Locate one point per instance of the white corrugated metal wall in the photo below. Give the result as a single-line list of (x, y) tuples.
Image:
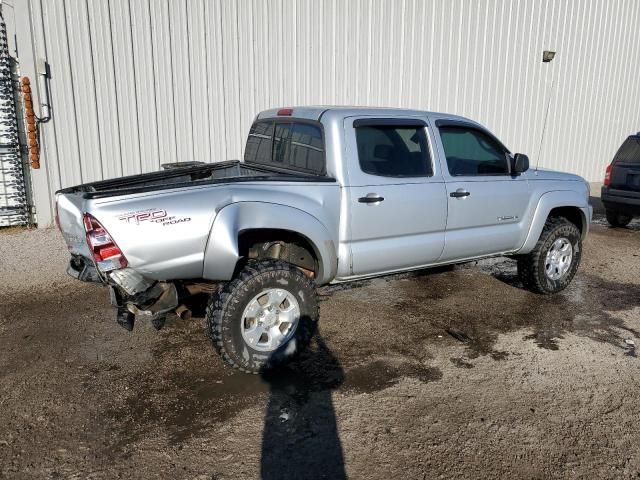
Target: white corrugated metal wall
[(137, 83)]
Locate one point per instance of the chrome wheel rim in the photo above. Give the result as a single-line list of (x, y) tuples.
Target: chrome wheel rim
[(559, 258), (270, 319)]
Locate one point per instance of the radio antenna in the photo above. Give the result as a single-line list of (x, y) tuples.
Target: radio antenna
[(547, 56)]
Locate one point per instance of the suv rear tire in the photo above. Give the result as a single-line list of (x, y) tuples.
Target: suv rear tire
[(264, 316), (617, 219), (554, 261)]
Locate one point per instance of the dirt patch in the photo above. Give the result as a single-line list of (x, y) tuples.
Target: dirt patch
[(453, 373)]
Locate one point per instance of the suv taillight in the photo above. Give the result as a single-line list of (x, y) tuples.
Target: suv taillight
[(607, 175), (105, 251)]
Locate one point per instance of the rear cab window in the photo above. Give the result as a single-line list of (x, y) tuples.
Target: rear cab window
[(292, 144), (471, 152), (393, 148)]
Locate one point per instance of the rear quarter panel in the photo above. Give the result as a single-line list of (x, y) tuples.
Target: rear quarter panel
[(164, 234)]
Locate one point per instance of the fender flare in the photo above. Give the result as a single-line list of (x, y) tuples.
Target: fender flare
[(546, 203), (222, 252)]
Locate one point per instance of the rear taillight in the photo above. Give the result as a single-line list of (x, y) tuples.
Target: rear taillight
[(607, 175), (105, 251)]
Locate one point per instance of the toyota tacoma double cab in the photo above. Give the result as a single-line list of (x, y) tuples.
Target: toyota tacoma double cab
[(324, 195)]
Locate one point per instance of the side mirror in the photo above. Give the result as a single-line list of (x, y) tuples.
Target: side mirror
[(520, 164)]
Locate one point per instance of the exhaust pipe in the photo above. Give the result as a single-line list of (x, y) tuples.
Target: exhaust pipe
[(183, 312)]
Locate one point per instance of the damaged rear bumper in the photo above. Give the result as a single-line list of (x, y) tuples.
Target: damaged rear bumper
[(135, 296), (142, 296)]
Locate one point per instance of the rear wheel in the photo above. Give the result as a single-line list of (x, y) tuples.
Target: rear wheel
[(552, 264), (617, 219), (263, 317)]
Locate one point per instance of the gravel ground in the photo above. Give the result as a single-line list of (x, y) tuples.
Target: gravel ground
[(438, 374), (32, 260)]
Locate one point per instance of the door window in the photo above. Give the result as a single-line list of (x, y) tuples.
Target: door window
[(472, 152), (393, 151)]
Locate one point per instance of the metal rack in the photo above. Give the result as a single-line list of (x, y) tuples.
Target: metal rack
[(14, 209)]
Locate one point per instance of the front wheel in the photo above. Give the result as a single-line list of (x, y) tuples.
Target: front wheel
[(552, 264), (264, 316)]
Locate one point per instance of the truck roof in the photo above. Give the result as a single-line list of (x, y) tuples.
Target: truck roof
[(315, 112)]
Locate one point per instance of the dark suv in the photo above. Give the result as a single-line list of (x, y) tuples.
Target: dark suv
[(621, 190)]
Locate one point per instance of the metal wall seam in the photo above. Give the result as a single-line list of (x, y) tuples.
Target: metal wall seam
[(125, 83), (145, 71), (199, 79), (83, 90), (62, 102)]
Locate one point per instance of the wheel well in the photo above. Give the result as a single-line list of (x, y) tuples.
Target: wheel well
[(573, 214), (286, 245)]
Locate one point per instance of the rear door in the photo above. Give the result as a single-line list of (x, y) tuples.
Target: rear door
[(396, 198), (625, 174), (486, 204)]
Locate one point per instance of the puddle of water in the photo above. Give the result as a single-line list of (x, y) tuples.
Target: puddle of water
[(200, 393), (477, 309), (381, 374), (599, 219)]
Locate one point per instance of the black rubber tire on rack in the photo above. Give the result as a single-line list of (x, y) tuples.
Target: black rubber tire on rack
[(531, 267), (226, 307), (617, 219)]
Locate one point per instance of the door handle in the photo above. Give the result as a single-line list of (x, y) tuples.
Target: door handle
[(371, 198), (460, 193)]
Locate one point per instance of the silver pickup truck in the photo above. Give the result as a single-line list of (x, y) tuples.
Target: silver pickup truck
[(325, 194)]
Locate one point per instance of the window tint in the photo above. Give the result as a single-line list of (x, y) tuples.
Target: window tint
[(298, 145), (393, 151), (472, 152), (293, 145), (629, 152), (258, 147)]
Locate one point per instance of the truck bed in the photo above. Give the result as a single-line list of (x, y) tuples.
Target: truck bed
[(222, 172)]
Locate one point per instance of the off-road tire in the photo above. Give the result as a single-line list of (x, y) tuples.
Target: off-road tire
[(531, 267), (225, 309), (617, 219)]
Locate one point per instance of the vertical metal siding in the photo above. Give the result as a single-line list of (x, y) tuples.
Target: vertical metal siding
[(145, 86), (137, 83)]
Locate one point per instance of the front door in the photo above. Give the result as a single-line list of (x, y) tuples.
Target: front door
[(486, 204), (396, 198)]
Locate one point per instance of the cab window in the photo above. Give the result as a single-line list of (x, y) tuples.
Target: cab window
[(288, 144), (393, 151), (472, 152)]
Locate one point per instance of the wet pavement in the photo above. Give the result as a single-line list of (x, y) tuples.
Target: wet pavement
[(449, 372)]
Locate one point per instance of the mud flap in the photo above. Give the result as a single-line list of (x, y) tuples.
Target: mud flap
[(124, 317)]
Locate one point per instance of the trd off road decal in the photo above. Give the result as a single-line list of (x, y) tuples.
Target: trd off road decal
[(152, 215)]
